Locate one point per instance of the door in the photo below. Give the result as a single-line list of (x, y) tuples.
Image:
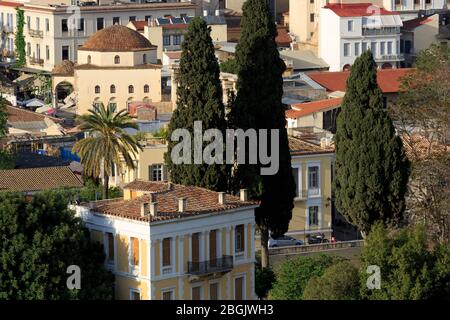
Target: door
[(195, 251), (238, 288), (213, 248)]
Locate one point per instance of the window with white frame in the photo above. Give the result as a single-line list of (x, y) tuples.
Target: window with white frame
[(239, 240), (167, 260), (364, 46), (350, 25), (382, 47), (313, 177), (109, 247), (239, 288), (357, 49), (135, 294), (313, 216), (346, 49), (177, 40), (166, 40), (156, 172), (134, 253), (373, 48), (389, 47), (296, 171), (168, 294)]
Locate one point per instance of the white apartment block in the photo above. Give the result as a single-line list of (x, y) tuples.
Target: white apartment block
[(348, 30), (53, 32), (408, 9)]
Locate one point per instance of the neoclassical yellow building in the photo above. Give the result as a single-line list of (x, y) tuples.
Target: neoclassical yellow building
[(116, 66), (173, 242)]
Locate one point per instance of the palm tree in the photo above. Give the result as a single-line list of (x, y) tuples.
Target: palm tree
[(106, 142)]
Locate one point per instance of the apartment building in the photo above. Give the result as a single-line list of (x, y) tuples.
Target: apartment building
[(168, 33), (409, 9), (347, 30), (167, 241), (55, 29), (8, 22), (128, 66), (312, 167)]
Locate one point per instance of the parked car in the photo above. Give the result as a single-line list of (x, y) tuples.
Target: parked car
[(317, 238), (284, 241)]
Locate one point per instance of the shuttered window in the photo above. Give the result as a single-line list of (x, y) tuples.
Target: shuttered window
[(212, 244), (240, 238), (135, 251), (110, 239), (238, 288), (214, 291), (166, 252), (195, 247), (196, 293)]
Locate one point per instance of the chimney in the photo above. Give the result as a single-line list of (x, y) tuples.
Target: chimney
[(205, 13), (222, 197), (181, 205), (244, 195), (153, 209), (144, 209)]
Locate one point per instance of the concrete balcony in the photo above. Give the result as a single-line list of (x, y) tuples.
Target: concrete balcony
[(203, 268), (36, 33), (389, 57), (379, 32), (7, 29)]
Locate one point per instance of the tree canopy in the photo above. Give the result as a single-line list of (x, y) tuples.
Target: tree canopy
[(371, 167), (40, 239)]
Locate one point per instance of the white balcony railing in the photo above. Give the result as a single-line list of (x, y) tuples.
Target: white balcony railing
[(390, 57), (36, 33)]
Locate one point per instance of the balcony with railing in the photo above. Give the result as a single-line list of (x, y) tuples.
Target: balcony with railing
[(36, 33), (390, 57), (366, 31), (7, 29), (219, 265), (36, 61)]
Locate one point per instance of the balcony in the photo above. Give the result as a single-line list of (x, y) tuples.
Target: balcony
[(390, 57), (220, 265), (381, 31), (7, 29), (36, 61), (36, 33)]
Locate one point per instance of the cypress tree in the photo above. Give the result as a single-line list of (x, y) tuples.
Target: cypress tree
[(258, 105), (371, 167), (199, 99), (19, 39)]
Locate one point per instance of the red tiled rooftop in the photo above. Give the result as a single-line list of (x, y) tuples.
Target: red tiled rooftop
[(414, 23), (389, 80), (283, 38), (166, 195), (303, 109), (22, 115), (357, 9), (173, 54), (139, 25), (298, 146)]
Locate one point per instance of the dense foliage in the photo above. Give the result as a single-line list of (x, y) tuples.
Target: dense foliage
[(229, 66), (106, 143), (371, 167), (19, 40), (258, 105), (199, 99), (40, 239)]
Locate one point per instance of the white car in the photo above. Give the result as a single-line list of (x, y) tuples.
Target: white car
[(284, 241)]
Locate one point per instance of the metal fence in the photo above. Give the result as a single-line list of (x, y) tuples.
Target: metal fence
[(316, 247)]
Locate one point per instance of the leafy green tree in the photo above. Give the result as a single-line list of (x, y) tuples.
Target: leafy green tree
[(229, 66), (19, 40), (264, 279), (424, 104), (258, 105), (40, 239), (406, 265), (106, 143), (199, 99), (3, 118), (339, 282), (293, 275), (371, 167)]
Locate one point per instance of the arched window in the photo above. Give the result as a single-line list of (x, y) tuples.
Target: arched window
[(89, 59), (112, 89), (97, 89), (146, 89), (130, 89), (116, 60), (144, 58)]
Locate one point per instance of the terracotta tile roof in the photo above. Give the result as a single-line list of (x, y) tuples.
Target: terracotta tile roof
[(21, 115), (198, 201), (173, 54), (299, 147), (64, 68), (389, 80), (36, 179), (140, 24), (356, 9), (283, 38), (410, 25), (117, 38), (175, 26), (303, 109)]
